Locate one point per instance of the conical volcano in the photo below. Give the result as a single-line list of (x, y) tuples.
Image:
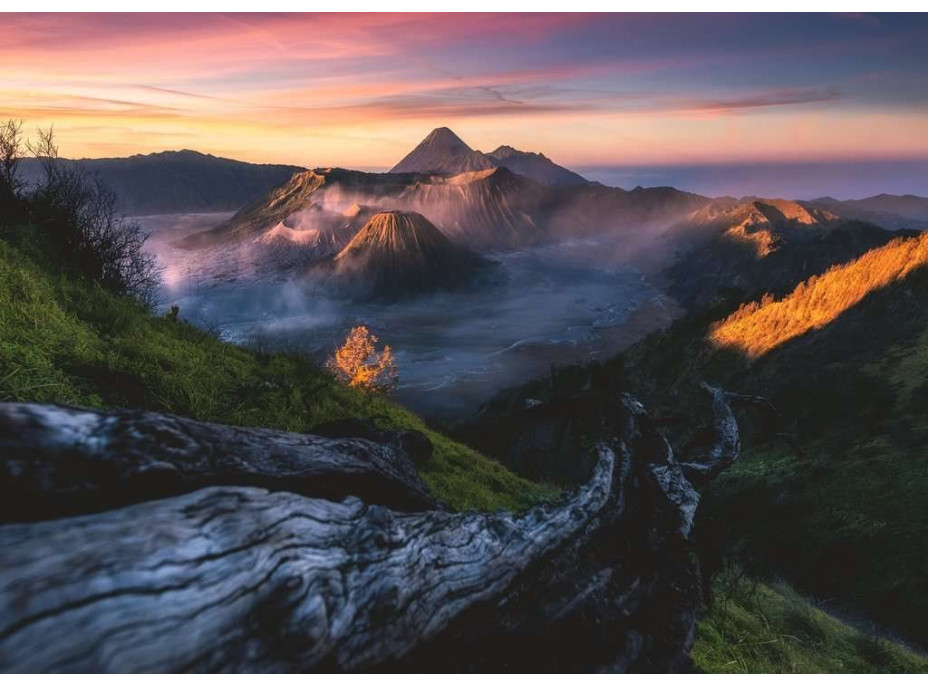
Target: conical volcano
[(398, 253), (442, 152)]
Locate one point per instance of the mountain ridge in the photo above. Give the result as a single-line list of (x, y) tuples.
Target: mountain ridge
[(180, 181), (890, 211), (761, 244)]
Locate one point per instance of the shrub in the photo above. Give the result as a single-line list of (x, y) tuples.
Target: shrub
[(75, 216), (78, 214), (359, 365)]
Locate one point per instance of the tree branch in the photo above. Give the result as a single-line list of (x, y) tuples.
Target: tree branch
[(726, 446)]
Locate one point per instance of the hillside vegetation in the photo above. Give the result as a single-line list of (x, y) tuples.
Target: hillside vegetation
[(831, 494), (65, 340), (757, 628), (758, 327)]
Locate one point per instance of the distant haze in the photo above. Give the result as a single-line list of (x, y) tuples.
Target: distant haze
[(796, 181)]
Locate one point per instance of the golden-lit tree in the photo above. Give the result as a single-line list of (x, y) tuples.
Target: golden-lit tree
[(360, 365)]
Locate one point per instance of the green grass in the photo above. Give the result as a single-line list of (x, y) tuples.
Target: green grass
[(767, 628), (69, 342), (848, 527)]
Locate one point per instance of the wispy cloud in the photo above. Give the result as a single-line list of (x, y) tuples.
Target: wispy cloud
[(580, 87)]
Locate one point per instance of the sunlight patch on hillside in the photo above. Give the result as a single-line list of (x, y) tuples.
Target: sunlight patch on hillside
[(758, 327)]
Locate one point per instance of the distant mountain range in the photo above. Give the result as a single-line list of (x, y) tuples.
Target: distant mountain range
[(493, 209), (489, 208), (504, 198), (174, 182), (889, 211)]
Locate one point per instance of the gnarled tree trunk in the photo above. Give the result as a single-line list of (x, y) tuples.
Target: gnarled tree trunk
[(245, 579), (57, 461)]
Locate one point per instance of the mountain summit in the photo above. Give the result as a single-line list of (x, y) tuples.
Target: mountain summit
[(442, 152)]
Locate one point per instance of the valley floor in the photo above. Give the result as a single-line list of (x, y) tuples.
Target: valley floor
[(554, 304)]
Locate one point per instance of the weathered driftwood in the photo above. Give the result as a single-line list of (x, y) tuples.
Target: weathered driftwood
[(725, 447), (57, 461), (241, 579)]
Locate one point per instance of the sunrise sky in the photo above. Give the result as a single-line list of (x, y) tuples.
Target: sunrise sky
[(361, 90)]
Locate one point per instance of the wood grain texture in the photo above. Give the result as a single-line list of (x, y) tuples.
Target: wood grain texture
[(242, 579), (231, 578), (57, 460)]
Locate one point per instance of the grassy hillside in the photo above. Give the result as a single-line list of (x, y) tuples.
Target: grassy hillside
[(843, 516), (62, 340), (758, 327), (767, 628)]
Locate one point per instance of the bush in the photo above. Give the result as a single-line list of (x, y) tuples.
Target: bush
[(76, 216), (360, 365)]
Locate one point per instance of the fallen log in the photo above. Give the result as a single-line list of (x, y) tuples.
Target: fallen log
[(242, 579), (57, 461)]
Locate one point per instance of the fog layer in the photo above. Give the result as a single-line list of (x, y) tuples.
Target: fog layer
[(552, 304)]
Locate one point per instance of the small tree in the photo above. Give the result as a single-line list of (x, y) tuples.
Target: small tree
[(79, 214), (11, 153), (358, 364)]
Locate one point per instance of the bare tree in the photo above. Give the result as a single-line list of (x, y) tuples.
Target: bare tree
[(80, 214), (11, 153)]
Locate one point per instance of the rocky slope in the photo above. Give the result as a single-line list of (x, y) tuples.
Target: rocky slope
[(759, 245), (320, 193), (489, 209)]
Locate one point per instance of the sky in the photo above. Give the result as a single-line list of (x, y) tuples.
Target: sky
[(591, 91)]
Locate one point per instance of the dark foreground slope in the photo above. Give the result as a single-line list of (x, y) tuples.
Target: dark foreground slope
[(64, 341), (830, 493), (227, 576)]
